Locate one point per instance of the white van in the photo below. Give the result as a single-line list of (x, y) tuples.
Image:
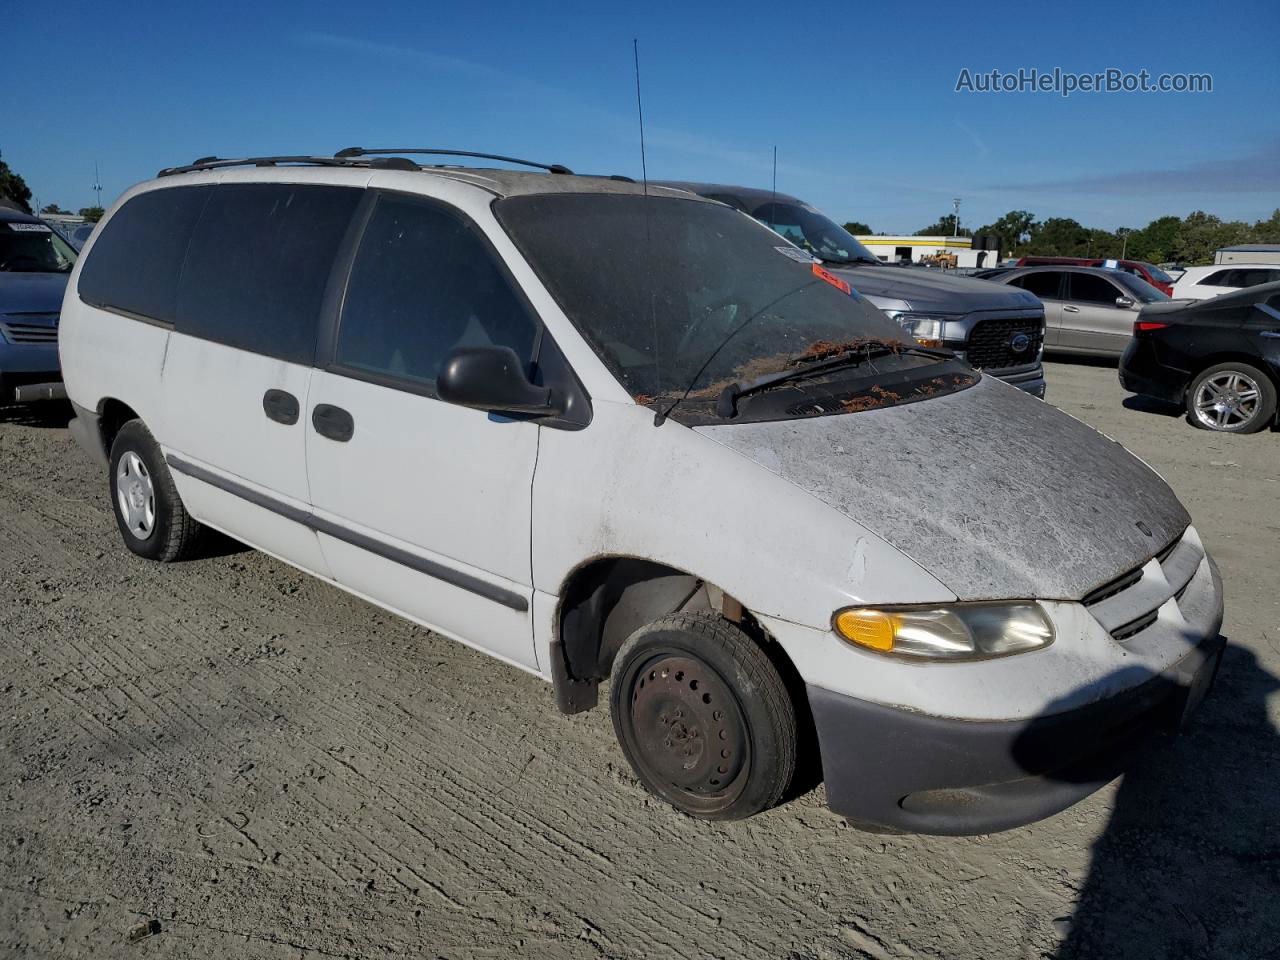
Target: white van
[(604, 432)]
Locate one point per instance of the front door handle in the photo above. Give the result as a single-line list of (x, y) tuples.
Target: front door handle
[(333, 422), (280, 406), (1068, 308)]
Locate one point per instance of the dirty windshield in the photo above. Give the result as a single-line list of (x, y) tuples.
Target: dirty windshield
[(33, 248), (678, 294)]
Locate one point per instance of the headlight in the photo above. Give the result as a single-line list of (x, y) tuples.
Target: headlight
[(927, 329), (961, 631)]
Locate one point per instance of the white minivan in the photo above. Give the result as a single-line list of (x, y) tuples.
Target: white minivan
[(604, 431)]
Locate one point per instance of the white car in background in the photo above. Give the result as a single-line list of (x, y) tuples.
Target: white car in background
[(1201, 283)]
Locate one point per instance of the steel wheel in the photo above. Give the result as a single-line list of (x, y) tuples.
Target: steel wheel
[(136, 496), (686, 729), (1227, 400)]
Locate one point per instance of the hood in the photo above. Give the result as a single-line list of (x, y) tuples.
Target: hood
[(32, 292), (925, 291), (995, 493)]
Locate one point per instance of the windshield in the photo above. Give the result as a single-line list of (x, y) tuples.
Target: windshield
[(1142, 291), (676, 294), (810, 230), (33, 248)]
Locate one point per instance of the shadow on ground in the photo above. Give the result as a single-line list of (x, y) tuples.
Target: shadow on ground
[(55, 414), (1189, 864)]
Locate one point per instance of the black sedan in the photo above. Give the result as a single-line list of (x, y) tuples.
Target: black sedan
[(1220, 357)]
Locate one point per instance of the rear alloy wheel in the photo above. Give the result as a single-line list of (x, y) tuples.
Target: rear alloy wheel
[(704, 717), (152, 518), (1231, 397)]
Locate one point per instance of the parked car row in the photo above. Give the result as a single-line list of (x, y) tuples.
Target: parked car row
[(612, 431)]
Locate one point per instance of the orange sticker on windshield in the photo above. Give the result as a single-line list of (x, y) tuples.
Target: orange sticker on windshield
[(832, 279)]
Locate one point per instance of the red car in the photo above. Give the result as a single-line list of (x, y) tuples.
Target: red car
[(1147, 271)]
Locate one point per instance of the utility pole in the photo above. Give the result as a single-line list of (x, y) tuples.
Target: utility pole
[(1124, 247), (955, 227)]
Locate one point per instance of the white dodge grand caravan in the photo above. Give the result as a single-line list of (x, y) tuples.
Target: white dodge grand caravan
[(603, 432)]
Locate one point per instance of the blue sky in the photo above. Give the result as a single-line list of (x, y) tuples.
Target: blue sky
[(862, 106)]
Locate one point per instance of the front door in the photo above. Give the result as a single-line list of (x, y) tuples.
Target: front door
[(422, 505)]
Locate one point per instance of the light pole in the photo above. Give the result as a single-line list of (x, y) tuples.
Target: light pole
[(97, 185), (1124, 234), (955, 226)]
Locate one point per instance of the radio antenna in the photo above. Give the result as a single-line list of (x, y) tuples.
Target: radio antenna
[(644, 170), (648, 236)]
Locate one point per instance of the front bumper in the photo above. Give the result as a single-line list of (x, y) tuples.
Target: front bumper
[(1032, 381), (916, 773)]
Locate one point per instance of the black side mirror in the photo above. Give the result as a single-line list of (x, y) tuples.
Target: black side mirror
[(493, 379)]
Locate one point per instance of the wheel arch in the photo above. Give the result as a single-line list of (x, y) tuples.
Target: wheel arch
[(607, 598), (112, 415)]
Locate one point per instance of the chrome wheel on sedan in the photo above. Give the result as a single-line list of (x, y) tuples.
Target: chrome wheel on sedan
[(1231, 398)]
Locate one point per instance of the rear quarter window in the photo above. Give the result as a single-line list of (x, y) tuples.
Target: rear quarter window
[(258, 264), (135, 263)]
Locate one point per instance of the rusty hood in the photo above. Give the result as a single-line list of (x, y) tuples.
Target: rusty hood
[(995, 493)]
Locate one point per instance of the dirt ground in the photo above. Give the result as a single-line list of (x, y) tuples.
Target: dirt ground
[(242, 762)]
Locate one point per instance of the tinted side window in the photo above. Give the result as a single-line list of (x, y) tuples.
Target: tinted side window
[(136, 261), (424, 283), (1216, 279), (1044, 285), (258, 264), (1088, 288)]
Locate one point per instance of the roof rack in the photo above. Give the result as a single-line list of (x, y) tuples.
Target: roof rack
[(214, 163), (351, 152)]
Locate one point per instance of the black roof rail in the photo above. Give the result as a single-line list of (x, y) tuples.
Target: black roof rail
[(214, 163), (351, 152)]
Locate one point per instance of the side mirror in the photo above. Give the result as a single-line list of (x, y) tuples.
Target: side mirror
[(1124, 301), (493, 379)]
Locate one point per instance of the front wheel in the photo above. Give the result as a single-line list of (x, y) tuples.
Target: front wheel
[(703, 717), (152, 518), (1231, 397)]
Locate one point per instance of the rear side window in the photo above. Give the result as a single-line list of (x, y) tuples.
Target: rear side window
[(1044, 285), (136, 261), (258, 264), (422, 285)]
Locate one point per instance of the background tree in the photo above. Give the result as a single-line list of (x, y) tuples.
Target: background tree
[(92, 214), (861, 229), (53, 208), (1011, 228), (14, 188), (945, 227)]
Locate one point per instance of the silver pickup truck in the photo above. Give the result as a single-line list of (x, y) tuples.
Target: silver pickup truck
[(998, 331)]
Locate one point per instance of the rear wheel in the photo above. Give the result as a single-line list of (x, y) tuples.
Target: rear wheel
[(703, 717), (1231, 397), (151, 516)]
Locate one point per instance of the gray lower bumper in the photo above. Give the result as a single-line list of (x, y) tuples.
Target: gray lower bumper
[(31, 392), (887, 767)]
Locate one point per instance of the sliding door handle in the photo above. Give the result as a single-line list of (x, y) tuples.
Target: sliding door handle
[(333, 422), (280, 406)]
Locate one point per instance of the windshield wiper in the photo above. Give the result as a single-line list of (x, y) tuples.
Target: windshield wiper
[(727, 404)]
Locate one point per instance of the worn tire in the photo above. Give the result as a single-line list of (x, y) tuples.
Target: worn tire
[(704, 717), (174, 534), (1263, 415)]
